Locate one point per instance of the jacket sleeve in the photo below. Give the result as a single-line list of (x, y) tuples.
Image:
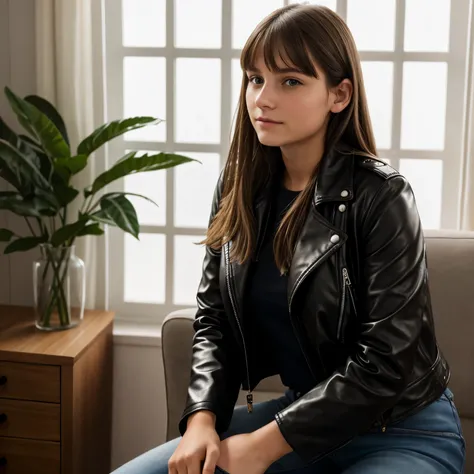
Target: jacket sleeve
[(213, 385), (392, 303)]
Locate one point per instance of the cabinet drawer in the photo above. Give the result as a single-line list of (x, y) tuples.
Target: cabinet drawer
[(30, 382), (21, 456), (35, 420)]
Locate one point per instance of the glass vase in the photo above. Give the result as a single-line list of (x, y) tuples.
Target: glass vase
[(59, 288)]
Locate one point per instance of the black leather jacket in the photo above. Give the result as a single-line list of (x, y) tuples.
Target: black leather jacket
[(359, 303)]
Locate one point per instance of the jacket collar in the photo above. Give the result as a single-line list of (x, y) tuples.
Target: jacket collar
[(335, 181)]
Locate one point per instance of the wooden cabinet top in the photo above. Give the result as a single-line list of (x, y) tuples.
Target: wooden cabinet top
[(21, 341)]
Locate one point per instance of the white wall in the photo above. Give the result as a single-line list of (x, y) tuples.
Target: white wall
[(17, 70), (139, 406)]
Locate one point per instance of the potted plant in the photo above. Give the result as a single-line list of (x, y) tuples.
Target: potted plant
[(39, 166)]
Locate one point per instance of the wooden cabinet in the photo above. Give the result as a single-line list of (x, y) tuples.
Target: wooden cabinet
[(55, 395)]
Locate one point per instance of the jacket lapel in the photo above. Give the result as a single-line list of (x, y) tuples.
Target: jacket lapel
[(319, 238)]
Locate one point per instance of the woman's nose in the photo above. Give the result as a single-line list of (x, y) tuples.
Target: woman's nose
[(265, 98)]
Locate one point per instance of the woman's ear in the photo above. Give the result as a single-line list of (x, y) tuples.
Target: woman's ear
[(342, 94)]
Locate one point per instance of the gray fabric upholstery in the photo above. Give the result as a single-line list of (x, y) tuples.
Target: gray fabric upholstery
[(451, 273)]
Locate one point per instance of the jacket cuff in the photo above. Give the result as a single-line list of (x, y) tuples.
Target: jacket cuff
[(222, 421)]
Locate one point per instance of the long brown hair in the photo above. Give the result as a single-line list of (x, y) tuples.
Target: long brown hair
[(300, 35)]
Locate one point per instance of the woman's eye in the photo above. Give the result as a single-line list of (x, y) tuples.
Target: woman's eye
[(253, 79), (293, 82)]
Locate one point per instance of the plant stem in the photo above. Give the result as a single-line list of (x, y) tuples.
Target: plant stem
[(85, 204), (92, 207), (57, 287), (30, 227), (42, 228)]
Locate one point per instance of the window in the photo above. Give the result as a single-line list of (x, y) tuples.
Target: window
[(179, 60)]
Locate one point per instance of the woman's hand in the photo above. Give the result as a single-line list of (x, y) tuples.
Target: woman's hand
[(253, 453), (200, 443), (239, 455)]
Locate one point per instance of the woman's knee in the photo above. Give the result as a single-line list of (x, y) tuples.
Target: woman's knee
[(154, 461)]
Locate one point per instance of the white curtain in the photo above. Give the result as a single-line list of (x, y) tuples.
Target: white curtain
[(467, 210), (467, 182), (65, 68)]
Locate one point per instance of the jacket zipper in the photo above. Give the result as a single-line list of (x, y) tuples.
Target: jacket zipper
[(340, 337), (234, 309), (349, 285)]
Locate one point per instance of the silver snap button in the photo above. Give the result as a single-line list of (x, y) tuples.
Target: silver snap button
[(342, 207), (335, 239), (344, 193)]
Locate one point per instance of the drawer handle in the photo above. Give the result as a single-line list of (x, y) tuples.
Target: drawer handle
[(3, 380), (3, 461), (3, 418)]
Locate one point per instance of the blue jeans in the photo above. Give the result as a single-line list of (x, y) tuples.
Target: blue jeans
[(428, 442)]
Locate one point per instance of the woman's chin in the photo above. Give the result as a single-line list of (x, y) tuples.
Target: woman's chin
[(269, 139)]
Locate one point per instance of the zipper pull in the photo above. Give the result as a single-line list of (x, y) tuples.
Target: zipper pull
[(249, 402), (346, 276), (384, 428)]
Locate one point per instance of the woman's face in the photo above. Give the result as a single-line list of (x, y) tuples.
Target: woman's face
[(299, 105)]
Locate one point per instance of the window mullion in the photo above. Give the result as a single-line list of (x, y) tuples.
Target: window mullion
[(170, 134)]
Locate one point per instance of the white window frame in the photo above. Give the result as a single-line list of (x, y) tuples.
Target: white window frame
[(113, 103)]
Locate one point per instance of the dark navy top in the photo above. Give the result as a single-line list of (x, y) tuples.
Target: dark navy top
[(266, 317)]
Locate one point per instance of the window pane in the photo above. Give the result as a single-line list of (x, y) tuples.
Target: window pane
[(151, 184), (378, 79), (246, 15), (372, 23), (198, 100), (144, 84), (144, 23), (424, 105), (188, 259), (189, 14), (194, 189), (327, 3), (427, 25), (426, 179), (145, 266)]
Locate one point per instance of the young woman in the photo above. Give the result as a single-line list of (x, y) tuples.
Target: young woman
[(315, 270)]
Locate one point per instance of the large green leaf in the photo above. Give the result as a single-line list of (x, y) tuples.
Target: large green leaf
[(74, 164), (64, 193), (23, 244), (111, 130), (50, 198), (16, 105), (138, 164), (24, 171), (91, 229), (101, 218), (67, 232), (121, 211), (6, 235), (50, 111), (45, 162), (43, 128), (24, 147), (124, 193), (34, 207)]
